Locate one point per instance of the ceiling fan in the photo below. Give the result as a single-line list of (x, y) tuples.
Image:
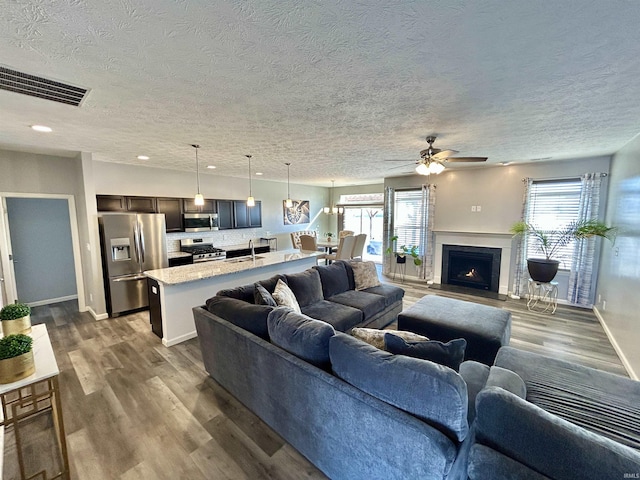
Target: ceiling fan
[(431, 158)]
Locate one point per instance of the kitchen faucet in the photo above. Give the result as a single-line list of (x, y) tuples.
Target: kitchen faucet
[(253, 252)]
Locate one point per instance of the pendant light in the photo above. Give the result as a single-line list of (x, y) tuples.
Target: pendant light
[(251, 202), (288, 203), (332, 210), (198, 199)]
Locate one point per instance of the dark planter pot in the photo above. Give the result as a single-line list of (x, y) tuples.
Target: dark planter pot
[(542, 270), (401, 259)]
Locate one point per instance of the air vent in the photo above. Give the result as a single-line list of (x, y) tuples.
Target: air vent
[(26, 84)]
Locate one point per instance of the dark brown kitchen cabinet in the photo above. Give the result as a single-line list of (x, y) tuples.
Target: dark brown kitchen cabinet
[(111, 203), (190, 206), (225, 214), (172, 209), (141, 204), (155, 306), (247, 217)]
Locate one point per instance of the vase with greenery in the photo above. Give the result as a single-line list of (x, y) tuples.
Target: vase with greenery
[(16, 318), (329, 236), (549, 242), (16, 358), (404, 250)]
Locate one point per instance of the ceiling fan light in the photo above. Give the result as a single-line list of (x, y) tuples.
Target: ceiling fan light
[(198, 200), (422, 169), (436, 167)]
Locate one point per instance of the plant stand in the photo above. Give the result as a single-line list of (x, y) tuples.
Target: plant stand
[(401, 268), (543, 297), (34, 395)]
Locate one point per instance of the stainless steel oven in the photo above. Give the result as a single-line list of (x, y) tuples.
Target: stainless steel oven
[(200, 222)]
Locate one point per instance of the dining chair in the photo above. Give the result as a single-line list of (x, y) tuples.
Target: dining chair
[(345, 233), (358, 247), (295, 237), (307, 242), (345, 249)]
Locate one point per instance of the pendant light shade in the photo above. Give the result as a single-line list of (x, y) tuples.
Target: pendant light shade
[(199, 198), (288, 202), (332, 210), (251, 202)]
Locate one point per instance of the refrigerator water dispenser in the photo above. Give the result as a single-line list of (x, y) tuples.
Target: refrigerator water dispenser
[(120, 249)]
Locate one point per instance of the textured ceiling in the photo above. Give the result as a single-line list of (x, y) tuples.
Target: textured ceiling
[(333, 87)]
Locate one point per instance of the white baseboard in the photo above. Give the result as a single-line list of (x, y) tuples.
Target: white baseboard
[(616, 347), (101, 316), (52, 300), (180, 339)]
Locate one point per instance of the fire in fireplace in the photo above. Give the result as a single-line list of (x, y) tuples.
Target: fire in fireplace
[(474, 267)]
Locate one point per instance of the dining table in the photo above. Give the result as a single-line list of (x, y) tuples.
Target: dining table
[(328, 245)]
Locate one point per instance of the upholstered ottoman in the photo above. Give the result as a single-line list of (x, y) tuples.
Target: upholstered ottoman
[(484, 328)]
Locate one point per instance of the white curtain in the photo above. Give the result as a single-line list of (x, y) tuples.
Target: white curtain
[(429, 207), (387, 233), (584, 254), (519, 277)]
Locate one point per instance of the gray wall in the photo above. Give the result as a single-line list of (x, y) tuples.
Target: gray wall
[(498, 190), (617, 297), (42, 249)]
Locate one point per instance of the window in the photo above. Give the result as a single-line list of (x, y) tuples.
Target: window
[(552, 205), (409, 218)]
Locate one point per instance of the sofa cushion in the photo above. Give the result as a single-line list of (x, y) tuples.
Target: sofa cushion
[(425, 389), (334, 278), (304, 337), (305, 286), (243, 292), (248, 316), (284, 296), (368, 303), (340, 316), (450, 354), (365, 275), (376, 337), (270, 283), (510, 381), (261, 296), (390, 293)]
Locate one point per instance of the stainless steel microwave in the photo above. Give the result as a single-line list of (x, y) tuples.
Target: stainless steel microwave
[(200, 222)]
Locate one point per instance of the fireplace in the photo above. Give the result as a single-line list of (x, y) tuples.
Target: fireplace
[(473, 267)]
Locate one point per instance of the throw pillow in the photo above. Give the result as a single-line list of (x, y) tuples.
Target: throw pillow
[(365, 275), (261, 296), (448, 354), (376, 337), (304, 337), (284, 296)]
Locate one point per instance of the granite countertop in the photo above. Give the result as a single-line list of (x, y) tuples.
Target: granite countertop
[(203, 270)]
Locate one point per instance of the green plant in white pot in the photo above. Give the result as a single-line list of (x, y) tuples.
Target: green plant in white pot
[(549, 242), (403, 251)]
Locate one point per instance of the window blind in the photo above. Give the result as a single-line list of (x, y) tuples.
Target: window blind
[(409, 218), (553, 204)]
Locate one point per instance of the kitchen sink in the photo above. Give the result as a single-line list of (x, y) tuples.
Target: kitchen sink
[(243, 259)]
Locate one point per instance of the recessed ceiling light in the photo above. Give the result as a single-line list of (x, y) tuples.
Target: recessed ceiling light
[(211, 166), (143, 157), (42, 128), (258, 173)]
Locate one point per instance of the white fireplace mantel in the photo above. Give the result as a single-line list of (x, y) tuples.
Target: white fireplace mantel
[(503, 241)]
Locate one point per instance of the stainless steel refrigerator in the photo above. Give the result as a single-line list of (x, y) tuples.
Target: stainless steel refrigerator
[(131, 245)]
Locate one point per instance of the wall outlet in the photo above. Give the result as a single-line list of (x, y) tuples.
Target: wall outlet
[(473, 208), (599, 298), (604, 305), (91, 297), (478, 208)]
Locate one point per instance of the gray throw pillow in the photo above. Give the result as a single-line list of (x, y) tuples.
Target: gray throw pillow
[(449, 354), (261, 296)]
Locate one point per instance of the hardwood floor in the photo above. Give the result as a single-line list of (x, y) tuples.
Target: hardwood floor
[(134, 409)]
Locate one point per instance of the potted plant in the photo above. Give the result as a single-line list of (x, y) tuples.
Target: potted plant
[(549, 242), (329, 236), (16, 358), (401, 254), (16, 318)]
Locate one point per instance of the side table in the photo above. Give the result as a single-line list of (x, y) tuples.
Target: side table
[(543, 297), (33, 395)]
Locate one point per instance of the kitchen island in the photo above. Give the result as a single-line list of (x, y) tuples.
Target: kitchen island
[(174, 291)]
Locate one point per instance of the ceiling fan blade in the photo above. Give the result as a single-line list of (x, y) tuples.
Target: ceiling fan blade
[(442, 154), (401, 160), (406, 165), (466, 159)]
